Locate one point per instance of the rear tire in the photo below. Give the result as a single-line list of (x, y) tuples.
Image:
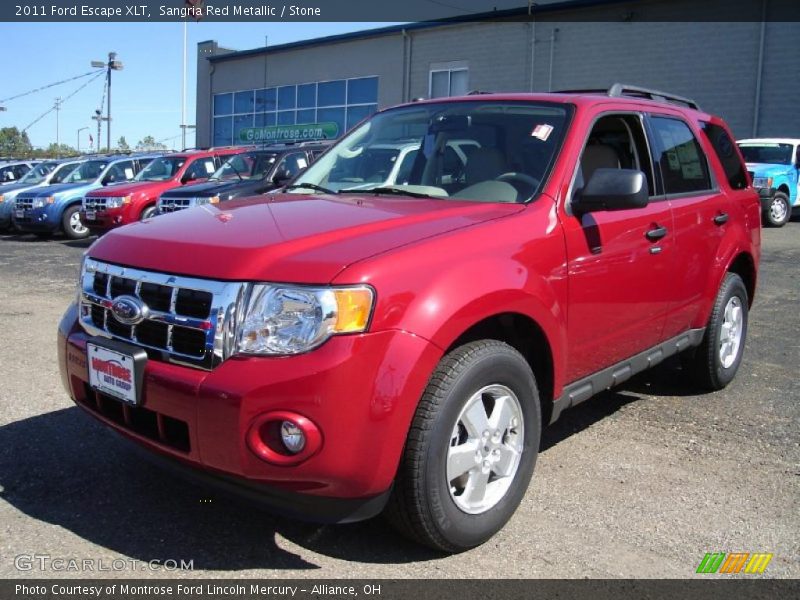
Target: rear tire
[(715, 362), (779, 211), (471, 449), (72, 225)]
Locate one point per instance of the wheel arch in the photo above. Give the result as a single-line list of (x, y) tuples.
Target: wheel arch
[(744, 266), (525, 335)]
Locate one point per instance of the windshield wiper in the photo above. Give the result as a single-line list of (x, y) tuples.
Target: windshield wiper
[(387, 190), (308, 186)]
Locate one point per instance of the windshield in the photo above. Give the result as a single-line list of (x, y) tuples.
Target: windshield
[(39, 173), (250, 165), (491, 151), (161, 169), (87, 172), (63, 172), (774, 154)]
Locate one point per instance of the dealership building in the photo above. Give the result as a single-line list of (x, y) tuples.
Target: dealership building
[(745, 70)]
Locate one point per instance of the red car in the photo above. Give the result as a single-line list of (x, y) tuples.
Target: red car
[(111, 207), (351, 345)]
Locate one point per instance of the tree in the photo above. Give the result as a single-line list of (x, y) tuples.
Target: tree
[(14, 143), (122, 145), (56, 151), (149, 143)]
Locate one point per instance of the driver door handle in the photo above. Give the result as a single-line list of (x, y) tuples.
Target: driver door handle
[(656, 234), (721, 219)]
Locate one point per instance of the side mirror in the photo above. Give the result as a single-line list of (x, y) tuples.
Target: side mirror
[(612, 189), (281, 177)]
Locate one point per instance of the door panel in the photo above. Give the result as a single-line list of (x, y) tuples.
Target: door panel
[(618, 285)]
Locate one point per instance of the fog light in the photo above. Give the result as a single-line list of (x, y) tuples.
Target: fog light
[(283, 438), (292, 437)]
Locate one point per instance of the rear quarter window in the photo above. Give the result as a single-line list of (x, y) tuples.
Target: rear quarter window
[(725, 150)]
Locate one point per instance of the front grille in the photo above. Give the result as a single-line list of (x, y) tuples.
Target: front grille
[(184, 320), (24, 202), (149, 424), (91, 203), (168, 205)]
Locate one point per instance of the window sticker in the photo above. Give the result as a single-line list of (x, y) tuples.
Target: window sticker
[(302, 163), (542, 132), (128, 173), (210, 166)]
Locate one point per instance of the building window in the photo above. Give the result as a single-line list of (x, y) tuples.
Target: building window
[(449, 79), (343, 101)]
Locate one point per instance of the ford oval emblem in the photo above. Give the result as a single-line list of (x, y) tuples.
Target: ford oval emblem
[(129, 310)]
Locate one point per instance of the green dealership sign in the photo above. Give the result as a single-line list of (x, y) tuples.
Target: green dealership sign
[(289, 133)]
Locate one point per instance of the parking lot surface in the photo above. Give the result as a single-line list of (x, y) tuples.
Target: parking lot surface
[(640, 481)]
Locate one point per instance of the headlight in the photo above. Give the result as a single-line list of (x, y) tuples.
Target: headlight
[(117, 201), (1, 198), (40, 202), (762, 182), (291, 320), (205, 200)]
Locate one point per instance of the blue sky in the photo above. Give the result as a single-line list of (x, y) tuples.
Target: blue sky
[(146, 94)]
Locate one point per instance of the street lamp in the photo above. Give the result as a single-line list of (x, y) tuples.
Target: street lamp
[(112, 65), (79, 137)]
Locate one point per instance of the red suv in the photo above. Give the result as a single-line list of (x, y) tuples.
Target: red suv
[(112, 207), (352, 345)]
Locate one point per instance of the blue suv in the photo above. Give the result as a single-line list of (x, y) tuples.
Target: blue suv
[(46, 173), (774, 164), (56, 208)]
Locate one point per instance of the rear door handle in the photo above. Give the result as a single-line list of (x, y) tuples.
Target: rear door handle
[(721, 218), (656, 234)]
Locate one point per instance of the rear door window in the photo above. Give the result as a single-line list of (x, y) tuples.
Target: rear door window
[(680, 158)]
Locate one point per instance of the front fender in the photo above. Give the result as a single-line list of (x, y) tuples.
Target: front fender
[(440, 287)]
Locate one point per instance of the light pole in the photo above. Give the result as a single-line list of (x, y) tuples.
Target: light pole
[(79, 137), (112, 65), (98, 116), (58, 108)]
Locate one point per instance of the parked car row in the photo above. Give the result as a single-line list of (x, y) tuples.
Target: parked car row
[(91, 195)]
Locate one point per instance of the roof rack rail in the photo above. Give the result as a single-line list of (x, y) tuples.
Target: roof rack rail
[(622, 89), (478, 93)]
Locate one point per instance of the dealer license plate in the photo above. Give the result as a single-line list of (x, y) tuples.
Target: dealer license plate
[(20, 213), (115, 373), (90, 216)]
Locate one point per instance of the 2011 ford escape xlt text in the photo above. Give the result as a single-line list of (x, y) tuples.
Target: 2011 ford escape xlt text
[(352, 345)]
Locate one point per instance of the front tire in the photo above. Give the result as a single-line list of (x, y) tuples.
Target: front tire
[(471, 449), (72, 225), (779, 211), (715, 362), (148, 212)]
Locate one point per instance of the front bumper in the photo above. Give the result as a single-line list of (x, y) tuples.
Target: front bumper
[(360, 391), (104, 220), (38, 219)]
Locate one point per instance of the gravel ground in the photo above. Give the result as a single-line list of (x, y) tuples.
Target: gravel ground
[(641, 481)]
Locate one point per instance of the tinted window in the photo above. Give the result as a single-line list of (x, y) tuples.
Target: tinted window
[(200, 169), (727, 155), (680, 158), (294, 163)]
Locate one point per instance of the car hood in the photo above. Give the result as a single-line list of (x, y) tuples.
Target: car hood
[(211, 188), (52, 190), (768, 169), (129, 189), (305, 239), (13, 187)]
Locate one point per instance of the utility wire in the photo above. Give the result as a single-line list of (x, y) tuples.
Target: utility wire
[(51, 109), (459, 8), (44, 87)]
